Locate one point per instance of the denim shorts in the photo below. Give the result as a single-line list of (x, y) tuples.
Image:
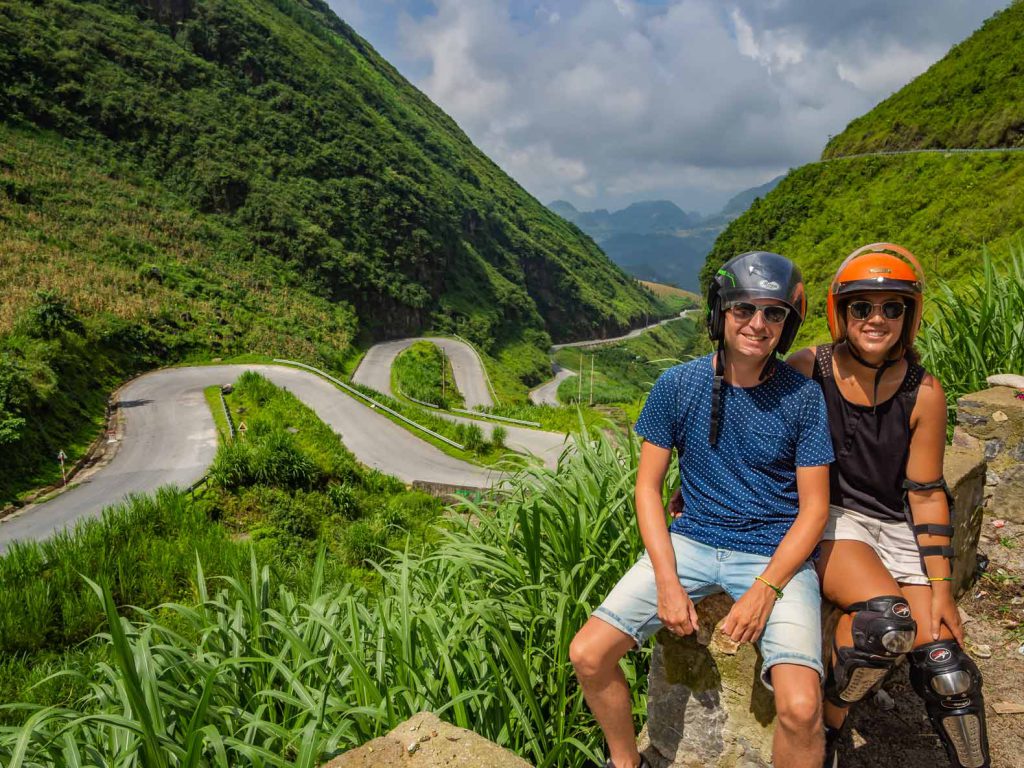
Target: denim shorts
[(792, 634)]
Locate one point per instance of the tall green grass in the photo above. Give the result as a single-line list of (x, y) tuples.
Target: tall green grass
[(476, 629), (976, 330), (144, 549)]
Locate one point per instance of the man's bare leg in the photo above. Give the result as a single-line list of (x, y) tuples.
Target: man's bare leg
[(595, 653), (799, 740)]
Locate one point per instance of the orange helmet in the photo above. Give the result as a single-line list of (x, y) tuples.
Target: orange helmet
[(878, 267)]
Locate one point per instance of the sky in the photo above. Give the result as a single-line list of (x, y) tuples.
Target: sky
[(608, 102)]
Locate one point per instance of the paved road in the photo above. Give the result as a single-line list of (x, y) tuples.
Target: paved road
[(375, 368), (547, 393), (170, 438), (631, 335)]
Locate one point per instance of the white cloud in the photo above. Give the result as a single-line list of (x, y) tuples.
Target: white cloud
[(617, 100)]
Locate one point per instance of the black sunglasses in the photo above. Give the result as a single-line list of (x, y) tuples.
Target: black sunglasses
[(745, 311), (862, 310)]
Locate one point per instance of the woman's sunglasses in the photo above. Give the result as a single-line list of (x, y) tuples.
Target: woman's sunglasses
[(744, 311), (862, 310)]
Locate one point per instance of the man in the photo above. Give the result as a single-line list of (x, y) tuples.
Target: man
[(754, 450)]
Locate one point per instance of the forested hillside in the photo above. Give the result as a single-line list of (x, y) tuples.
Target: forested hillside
[(973, 97), (945, 207), (188, 178), (276, 116)]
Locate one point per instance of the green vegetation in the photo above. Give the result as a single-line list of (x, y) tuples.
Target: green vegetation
[(476, 628), (223, 177), (625, 372), (291, 484), (943, 207), (286, 126), (423, 372), (105, 276), (973, 97), (977, 330), (939, 207), (288, 489), (482, 453)]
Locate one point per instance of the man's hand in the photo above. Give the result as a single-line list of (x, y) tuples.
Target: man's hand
[(944, 611), (748, 615), (676, 610)]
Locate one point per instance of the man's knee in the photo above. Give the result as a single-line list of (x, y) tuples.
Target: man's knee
[(799, 711), (591, 654)]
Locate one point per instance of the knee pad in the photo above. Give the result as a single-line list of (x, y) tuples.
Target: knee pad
[(949, 682), (883, 630)]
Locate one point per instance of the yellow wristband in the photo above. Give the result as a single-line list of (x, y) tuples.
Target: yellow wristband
[(940, 578), (776, 590)]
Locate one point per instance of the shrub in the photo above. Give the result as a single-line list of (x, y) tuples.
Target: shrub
[(268, 456), (498, 436), (977, 330), (474, 440), (345, 501), (363, 542)]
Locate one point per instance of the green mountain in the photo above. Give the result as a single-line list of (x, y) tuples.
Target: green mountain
[(187, 178), (656, 240), (944, 206)]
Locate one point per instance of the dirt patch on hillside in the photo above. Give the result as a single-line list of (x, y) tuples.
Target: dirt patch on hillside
[(893, 731)]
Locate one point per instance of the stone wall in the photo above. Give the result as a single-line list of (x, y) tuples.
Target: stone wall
[(705, 703), (994, 420)]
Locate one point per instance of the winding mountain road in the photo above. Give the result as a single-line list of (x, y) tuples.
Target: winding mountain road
[(170, 438), (374, 369), (547, 393)]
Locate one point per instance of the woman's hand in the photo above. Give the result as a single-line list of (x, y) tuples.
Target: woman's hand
[(748, 615), (676, 610), (675, 504), (944, 611)]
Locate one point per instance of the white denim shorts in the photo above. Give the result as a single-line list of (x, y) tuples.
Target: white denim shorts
[(893, 541)]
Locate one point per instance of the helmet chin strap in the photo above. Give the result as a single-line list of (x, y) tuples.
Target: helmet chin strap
[(878, 368), (717, 404), (768, 367)]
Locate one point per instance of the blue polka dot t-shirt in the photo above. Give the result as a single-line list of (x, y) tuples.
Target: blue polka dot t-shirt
[(741, 493)]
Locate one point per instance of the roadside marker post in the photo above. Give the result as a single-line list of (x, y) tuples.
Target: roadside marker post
[(62, 457)]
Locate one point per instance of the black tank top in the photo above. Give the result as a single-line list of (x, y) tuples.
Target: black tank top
[(871, 444)]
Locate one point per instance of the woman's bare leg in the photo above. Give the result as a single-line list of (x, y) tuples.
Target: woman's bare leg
[(850, 572)]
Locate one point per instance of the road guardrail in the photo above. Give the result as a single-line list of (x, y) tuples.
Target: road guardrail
[(353, 391)]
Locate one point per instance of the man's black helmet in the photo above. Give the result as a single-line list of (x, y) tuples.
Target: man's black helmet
[(757, 275)]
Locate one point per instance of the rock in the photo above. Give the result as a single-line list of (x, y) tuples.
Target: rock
[(706, 705), (1006, 380), (425, 741), (1008, 496), (981, 651), (1008, 708), (884, 701), (999, 417)]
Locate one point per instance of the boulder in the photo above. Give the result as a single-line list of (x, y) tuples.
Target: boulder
[(994, 420), (425, 741)]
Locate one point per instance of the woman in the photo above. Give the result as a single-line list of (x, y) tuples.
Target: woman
[(885, 555)]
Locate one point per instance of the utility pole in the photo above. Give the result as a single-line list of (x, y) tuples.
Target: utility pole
[(592, 379), (443, 371), (579, 381)]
